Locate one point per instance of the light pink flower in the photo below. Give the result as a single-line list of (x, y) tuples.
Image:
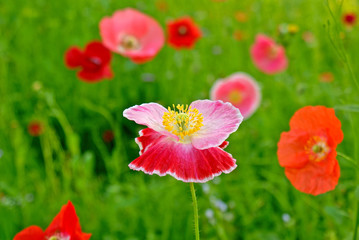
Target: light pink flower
[(132, 34), (185, 142), (268, 56), (241, 90)]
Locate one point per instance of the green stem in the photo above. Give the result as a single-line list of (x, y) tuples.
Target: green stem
[(355, 235), (195, 210)]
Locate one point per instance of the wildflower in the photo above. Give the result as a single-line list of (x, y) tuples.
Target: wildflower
[(239, 35), (241, 90), (241, 16), (64, 226), (308, 37), (108, 136), (94, 62), (268, 56), (308, 150), (326, 77), (35, 128), (183, 33), (132, 34), (349, 19), (162, 5), (185, 142)]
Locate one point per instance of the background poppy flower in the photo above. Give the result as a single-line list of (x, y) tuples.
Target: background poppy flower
[(241, 90), (65, 225), (349, 19), (94, 61), (35, 128), (185, 142), (308, 150), (268, 56), (183, 33), (132, 34)]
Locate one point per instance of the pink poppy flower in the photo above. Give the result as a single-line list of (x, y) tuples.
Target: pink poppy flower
[(185, 142), (132, 34), (268, 56), (94, 62), (241, 90)]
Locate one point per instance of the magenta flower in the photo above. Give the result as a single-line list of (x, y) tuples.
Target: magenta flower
[(185, 142), (268, 56), (241, 90), (132, 34)]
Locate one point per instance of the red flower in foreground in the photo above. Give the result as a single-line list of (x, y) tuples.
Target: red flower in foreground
[(185, 142), (65, 226), (308, 150), (94, 61), (35, 128), (349, 19), (183, 33)]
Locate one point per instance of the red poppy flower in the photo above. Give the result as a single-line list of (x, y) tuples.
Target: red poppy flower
[(183, 33), (308, 150), (94, 61), (108, 136), (35, 128), (64, 226), (326, 77), (349, 19)]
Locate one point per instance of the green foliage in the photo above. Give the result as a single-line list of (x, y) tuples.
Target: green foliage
[(70, 161)]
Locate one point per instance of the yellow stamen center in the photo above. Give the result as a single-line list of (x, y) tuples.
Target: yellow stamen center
[(235, 97), (129, 42), (182, 30), (182, 122), (317, 148)]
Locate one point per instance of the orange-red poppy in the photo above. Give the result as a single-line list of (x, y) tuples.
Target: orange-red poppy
[(308, 150)]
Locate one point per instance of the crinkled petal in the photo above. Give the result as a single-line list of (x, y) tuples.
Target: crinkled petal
[(95, 76), (162, 155), (313, 179), (74, 57), (219, 121), (30, 233), (291, 149), (66, 221), (97, 49), (148, 114), (312, 118)]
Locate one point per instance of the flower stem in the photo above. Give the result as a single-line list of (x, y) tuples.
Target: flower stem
[(195, 210)]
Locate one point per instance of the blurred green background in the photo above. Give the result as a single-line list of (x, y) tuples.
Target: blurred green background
[(70, 160)]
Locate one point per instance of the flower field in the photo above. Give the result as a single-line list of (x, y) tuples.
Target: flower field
[(164, 119)]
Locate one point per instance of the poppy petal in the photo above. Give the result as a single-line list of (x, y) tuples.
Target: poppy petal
[(148, 114), (291, 149), (219, 121), (312, 181), (30, 233), (66, 221), (93, 77), (97, 49), (182, 161), (224, 145), (241, 90), (74, 57), (312, 118)]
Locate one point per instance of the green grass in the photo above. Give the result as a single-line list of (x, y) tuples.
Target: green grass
[(71, 162)]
